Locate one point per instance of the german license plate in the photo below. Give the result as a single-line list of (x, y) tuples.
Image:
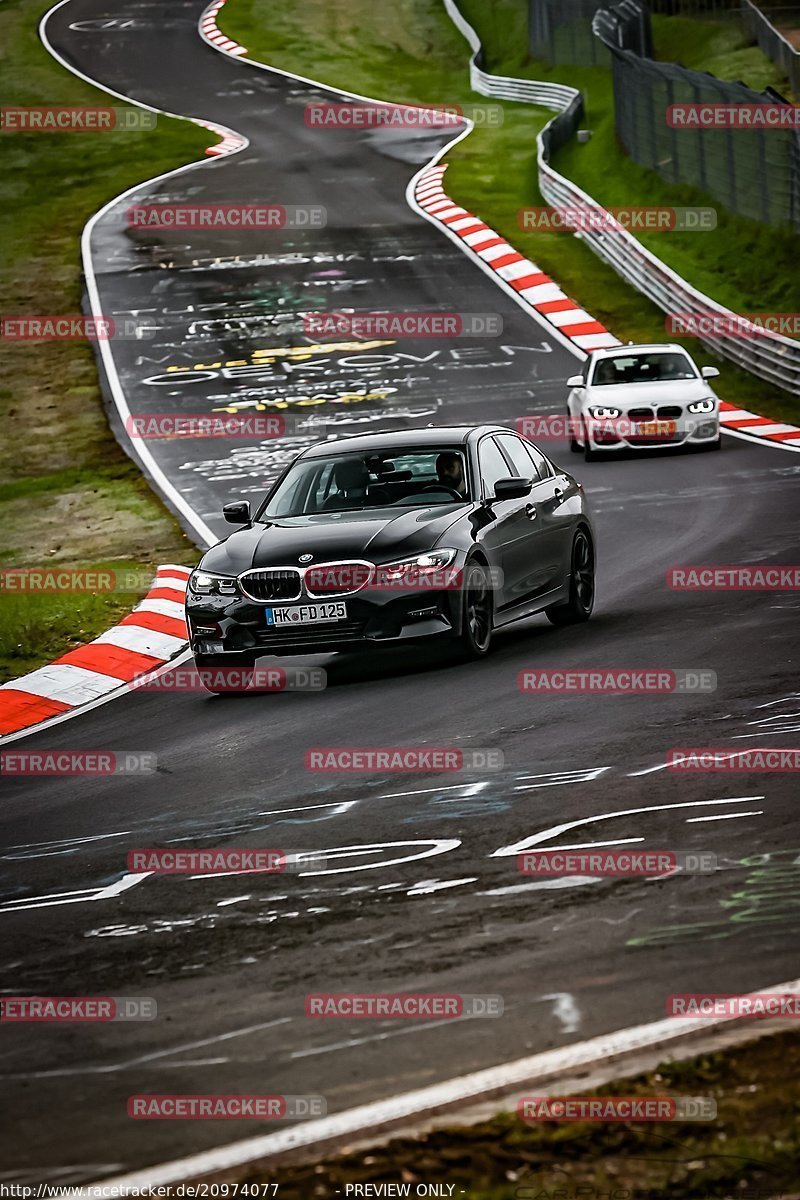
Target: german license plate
[(306, 614), (656, 429)]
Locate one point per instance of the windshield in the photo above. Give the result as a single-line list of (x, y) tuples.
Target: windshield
[(643, 368), (397, 478)]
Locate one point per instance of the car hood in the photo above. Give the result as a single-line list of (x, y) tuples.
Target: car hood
[(379, 535), (631, 395)]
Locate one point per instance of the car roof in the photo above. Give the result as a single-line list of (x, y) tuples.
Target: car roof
[(611, 351), (435, 435)]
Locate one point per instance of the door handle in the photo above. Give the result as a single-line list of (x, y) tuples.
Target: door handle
[(558, 492), (530, 510)]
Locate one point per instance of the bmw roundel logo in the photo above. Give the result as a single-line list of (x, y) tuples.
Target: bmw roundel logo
[(304, 558)]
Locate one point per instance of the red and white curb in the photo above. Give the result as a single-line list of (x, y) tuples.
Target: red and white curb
[(208, 26), (143, 641), (231, 142), (535, 287), (739, 420)]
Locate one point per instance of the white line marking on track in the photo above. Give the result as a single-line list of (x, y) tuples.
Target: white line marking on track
[(342, 805), (544, 835), (544, 885), (376, 1037), (425, 888), (78, 896), (755, 812), (110, 1068)]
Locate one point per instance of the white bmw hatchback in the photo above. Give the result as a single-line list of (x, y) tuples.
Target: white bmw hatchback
[(642, 396)]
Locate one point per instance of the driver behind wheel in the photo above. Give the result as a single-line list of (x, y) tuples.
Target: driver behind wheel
[(450, 471)]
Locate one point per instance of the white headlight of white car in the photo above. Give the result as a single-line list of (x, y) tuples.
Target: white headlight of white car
[(601, 413)]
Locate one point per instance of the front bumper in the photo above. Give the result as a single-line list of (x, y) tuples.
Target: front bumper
[(223, 626), (654, 434)]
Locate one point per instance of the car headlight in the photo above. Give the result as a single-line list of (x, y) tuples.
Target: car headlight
[(602, 412), (204, 583), (701, 406), (432, 560)]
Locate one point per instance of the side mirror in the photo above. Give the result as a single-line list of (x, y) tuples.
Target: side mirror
[(512, 488), (575, 381), (709, 372), (237, 512)]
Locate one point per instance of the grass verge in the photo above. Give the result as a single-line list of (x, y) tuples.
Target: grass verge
[(412, 53), (70, 496), (750, 1151)]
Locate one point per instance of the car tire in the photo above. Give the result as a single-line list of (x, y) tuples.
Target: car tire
[(589, 455), (717, 445), (477, 613), (574, 445), (580, 602), (212, 671)]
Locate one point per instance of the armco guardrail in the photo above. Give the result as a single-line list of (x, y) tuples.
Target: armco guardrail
[(752, 172), (772, 42), (770, 356)]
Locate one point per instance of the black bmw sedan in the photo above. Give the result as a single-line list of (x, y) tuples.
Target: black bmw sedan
[(389, 538)]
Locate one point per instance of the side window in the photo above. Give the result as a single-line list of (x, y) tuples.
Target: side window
[(540, 463), (492, 465), (322, 486), (518, 453)]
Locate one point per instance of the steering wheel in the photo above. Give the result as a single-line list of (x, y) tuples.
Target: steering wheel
[(442, 487)]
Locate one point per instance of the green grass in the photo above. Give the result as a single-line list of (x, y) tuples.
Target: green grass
[(751, 1149), (69, 494), (36, 627), (411, 52)]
